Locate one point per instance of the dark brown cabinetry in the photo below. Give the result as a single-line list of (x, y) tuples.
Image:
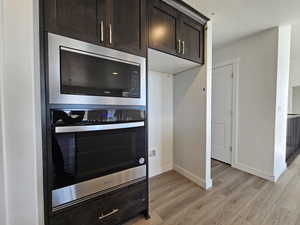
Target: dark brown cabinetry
[(293, 138), (127, 24), (173, 32), (164, 27), (75, 18), (113, 208), (116, 24), (192, 39)]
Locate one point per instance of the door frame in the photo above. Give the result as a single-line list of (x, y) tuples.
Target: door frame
[(235, 105)]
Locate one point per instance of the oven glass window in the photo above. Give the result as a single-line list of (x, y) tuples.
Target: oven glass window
[(83, 74), (82, 156)]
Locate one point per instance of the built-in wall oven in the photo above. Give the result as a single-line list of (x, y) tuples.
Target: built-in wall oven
[(83, 73), (95, 150)]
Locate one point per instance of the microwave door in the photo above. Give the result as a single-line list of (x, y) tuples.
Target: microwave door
[(83, 73)]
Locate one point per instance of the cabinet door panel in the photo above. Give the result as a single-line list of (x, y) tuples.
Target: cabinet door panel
[(74, 18), (128, 24), (164, 27), (192, 40)]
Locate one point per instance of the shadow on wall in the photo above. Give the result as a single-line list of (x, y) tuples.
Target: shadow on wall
[(189, 81), (190, 123)]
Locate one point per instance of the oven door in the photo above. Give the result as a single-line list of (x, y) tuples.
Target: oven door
[(90, 159), (83, 73)]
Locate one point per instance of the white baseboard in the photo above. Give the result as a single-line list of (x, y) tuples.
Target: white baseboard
[(253, 171), (280, 172), (201, 182), (159, 170)]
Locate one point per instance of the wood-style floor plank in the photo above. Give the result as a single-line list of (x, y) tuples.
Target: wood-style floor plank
[(237, 198)]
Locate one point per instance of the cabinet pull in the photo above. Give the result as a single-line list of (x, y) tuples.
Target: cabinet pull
[(179, 46), (108, 214), (183, 48), (110, 34), (102, 31)]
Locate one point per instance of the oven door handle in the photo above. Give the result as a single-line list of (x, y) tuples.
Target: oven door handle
[(72, 129)]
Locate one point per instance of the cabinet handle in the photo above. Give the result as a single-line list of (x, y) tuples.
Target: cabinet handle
[(183, 47), (102, 30), (110, 34), (108, 214), (179, 46)]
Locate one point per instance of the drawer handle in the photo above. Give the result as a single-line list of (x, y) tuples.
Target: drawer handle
[(108, 214)]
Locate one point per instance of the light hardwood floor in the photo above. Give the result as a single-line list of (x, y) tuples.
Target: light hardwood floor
[(237, 198)]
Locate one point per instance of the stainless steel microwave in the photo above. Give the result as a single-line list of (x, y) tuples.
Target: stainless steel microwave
[(83, 73)]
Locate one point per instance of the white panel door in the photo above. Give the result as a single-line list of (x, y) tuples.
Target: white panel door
[(222, 90)]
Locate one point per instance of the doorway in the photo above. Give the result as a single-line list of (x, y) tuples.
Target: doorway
[(222, 113)]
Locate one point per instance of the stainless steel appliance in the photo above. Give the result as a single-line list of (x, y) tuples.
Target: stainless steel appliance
[(95, 150), (83, 73)]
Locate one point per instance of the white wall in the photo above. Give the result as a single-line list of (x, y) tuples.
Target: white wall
[(258, 67), (21, 113), (294, 82), (160, 122), (2, 184), (192, 121), (296, 99), (295, 72), (189, 124), (282, 92)]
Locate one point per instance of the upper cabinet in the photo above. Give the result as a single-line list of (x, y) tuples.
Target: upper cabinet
[(127, 25), (116, 24), (122, 25), (173, 32), (192, 39), (74, 18), (164, 27)]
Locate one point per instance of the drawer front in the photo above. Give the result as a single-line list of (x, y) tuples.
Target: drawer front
[(111, 209)]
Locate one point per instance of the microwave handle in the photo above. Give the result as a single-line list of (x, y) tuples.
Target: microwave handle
[(102, 31), (72, 129), (110, 34)]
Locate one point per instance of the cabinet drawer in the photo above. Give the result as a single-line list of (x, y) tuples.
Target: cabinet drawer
[(111, 209)]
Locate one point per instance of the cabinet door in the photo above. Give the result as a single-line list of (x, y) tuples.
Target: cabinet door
[(127, 26), (192, 36), (163, 27), (75, 18)]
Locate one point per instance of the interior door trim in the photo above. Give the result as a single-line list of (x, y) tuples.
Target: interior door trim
[(235, 107)]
